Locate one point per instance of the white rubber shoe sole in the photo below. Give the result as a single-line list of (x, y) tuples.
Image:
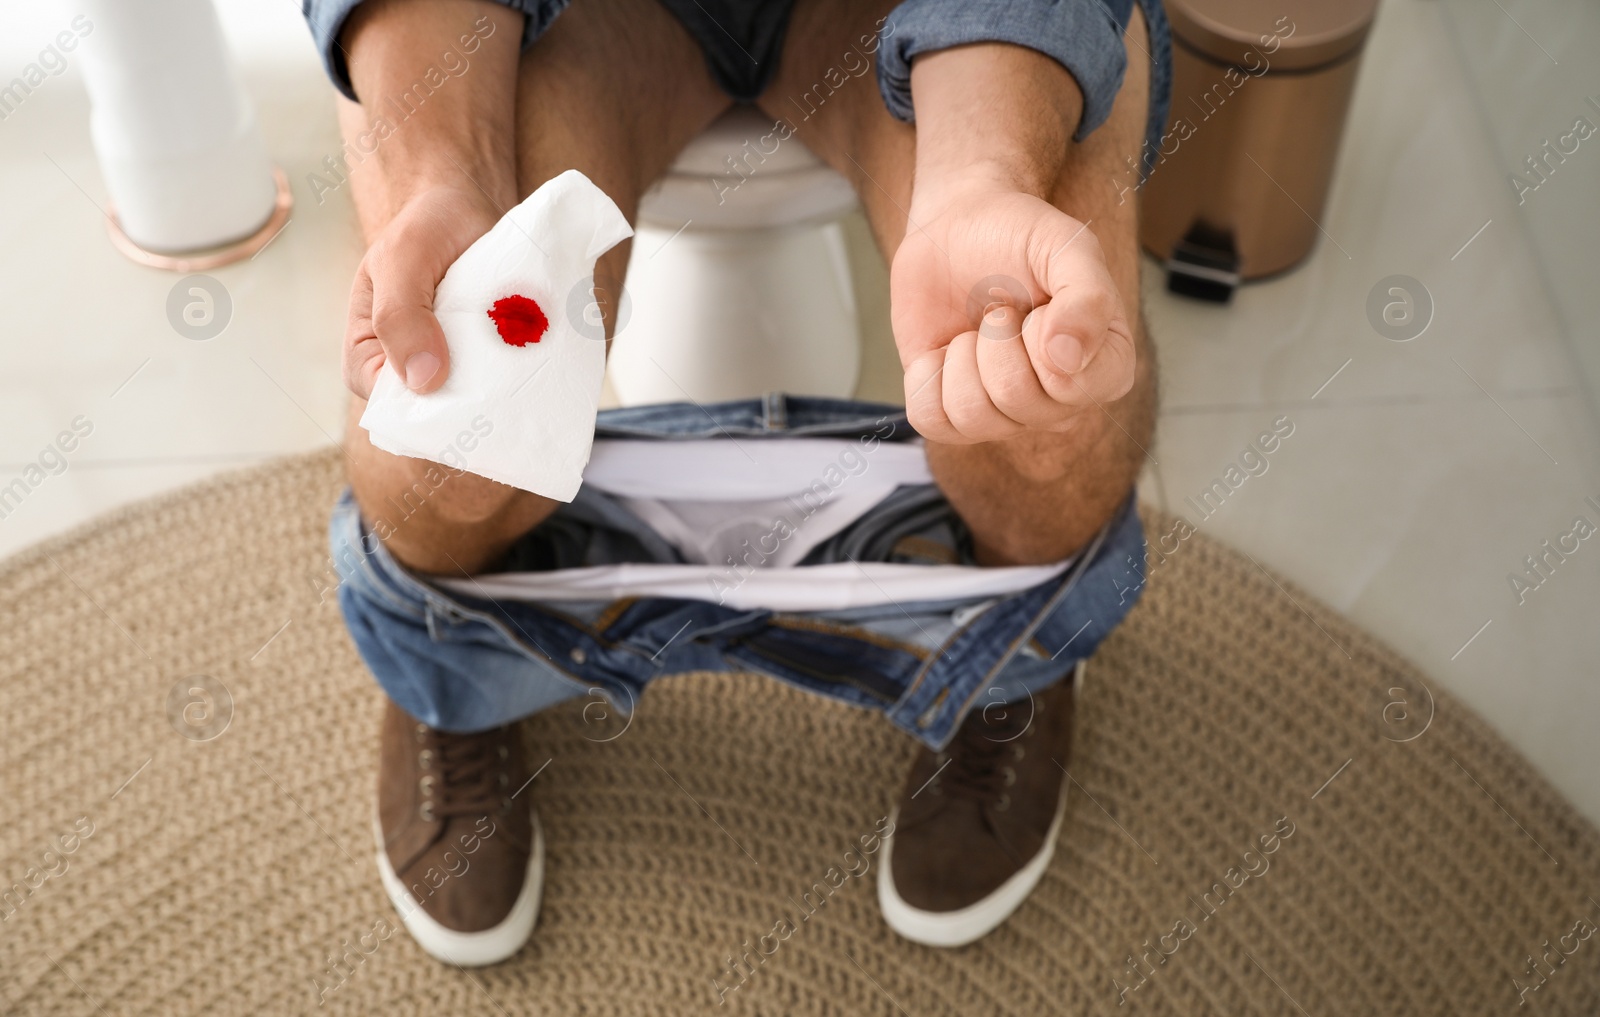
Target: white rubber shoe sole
[(973, 922), (468, 949)]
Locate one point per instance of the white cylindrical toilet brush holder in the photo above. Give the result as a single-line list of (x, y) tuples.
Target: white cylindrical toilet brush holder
[(176, 135)]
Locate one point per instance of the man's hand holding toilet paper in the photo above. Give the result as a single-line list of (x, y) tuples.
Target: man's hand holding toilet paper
[(519, 400), (459, 336), (427, 187), (391, 319)]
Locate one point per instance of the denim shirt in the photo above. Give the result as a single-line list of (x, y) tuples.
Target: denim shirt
[(1084, 36)]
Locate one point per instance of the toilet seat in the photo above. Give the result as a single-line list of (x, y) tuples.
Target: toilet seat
[(739, 283), (742, 172)]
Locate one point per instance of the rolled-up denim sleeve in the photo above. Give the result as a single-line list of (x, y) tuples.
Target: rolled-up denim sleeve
[(1083, 36), (327, 17)]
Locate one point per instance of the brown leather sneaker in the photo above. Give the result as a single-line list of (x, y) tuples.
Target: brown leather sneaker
[(977, 823), (461, 859)]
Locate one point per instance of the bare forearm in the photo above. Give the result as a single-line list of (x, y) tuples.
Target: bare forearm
[(994, 134), (992, 114), (437, 82)]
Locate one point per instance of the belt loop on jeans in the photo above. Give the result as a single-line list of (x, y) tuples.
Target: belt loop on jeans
[(775, 411)]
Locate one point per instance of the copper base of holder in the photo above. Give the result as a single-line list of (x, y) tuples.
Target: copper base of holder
[(210, 257)]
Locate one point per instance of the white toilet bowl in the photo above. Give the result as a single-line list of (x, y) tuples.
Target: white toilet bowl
[(738, 283)]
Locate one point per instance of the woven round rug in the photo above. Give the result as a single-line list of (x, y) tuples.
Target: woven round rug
[(1269, 813)]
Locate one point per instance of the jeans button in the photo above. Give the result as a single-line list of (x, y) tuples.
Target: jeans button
[(577, 655)]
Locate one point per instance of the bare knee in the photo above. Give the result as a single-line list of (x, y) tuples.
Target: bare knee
[(431, 517), (436, 520), (416, 488)]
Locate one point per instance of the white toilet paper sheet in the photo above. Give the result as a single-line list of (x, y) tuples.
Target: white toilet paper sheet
[(519, 414)]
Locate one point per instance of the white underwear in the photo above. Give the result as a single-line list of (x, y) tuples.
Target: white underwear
[(743, 513)]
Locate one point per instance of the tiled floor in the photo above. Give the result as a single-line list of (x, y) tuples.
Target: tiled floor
[(85, 331), (1425, 471), (1415, 480)]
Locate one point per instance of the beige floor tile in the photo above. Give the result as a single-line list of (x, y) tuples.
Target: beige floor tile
[(1410, 517)]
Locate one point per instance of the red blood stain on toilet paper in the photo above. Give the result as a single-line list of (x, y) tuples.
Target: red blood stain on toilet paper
[(519, 320)]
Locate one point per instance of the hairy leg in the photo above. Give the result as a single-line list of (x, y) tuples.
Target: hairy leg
[(614, 90), (1043, 495)]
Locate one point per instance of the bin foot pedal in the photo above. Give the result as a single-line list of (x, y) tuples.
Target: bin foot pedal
[(1204, 265)]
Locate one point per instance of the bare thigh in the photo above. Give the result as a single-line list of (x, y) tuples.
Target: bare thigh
[(1041, 496), (613, 89)]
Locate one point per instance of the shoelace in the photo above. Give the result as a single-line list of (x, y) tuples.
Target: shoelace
[(984, 747), (468, 773)]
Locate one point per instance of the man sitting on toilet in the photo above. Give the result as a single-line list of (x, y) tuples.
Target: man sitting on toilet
[(992, 162)]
